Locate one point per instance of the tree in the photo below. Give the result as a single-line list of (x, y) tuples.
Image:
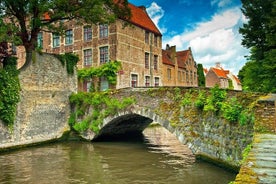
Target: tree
[(21, 21), (259, 35), (201, 77)]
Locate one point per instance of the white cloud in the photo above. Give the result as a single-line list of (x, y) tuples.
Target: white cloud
[(156, 13), (220, 3), (214, 41)]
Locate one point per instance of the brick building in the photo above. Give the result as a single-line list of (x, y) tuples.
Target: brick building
[(137, 46), (179, 67), (224, 78)]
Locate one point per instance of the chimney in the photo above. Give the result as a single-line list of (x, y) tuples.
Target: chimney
[(143, 8), (218, 65)]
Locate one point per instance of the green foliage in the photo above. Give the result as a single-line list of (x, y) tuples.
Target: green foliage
[(245, 152), (259, 74), (231, 110), (9, 90), (201, 76), (108, 70), (187, 100), (246, 117), (201, 100), (215, 99), (69, 60), (94, 107), (177, 94)]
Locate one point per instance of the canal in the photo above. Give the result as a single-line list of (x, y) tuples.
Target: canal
[(156, 157)]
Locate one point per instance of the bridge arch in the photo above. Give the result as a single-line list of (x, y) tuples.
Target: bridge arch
[(133, 122)]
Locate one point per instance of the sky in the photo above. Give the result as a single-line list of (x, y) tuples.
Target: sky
[(209, 27)]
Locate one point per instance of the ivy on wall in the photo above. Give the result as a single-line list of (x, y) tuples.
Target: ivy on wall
[(9, 90), (69, 60), (108, 70), (92, 108)]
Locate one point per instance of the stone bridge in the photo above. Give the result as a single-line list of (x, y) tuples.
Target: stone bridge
[(208, 135)]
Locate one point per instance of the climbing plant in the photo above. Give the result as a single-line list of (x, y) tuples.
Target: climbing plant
[(92, 108), (9, 90), (108, 70), (69, 60)]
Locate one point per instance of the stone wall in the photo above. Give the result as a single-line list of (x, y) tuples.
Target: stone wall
[(266, 114), (43, 111), (207, 134)]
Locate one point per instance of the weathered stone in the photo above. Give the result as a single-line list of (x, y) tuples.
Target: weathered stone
[(44, 109)]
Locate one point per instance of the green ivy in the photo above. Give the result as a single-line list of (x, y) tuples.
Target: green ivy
[(108, 70), (94, 107), (201, 100), (9, 90), (69, 60), (231, 110), (215, 99)]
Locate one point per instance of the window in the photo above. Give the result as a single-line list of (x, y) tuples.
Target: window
[(87, 33), (40, 40), (155, 62), (87, 86), (146, 37), (103, 54), (104, 84), (134, 79), (68, 37), (56, 40), (147, 60), (87, 57), (156, 81), (147, 81), (169, 74), (179, 76), (155, 40), (103, 30)]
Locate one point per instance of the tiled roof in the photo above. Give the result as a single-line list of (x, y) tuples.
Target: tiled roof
[(182, 58), (220, 72), (237, 79), (166, 58), (141, 19)]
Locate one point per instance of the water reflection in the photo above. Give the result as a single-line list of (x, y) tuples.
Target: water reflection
[(110, 163)]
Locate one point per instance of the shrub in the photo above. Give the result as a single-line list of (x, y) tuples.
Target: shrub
[(231, 110)]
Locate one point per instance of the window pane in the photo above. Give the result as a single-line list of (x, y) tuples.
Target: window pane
[(155, 62), (40, 40), (69, 37), (147, 60), (87, 57), (87, 33), (147, 81), (56, 40), (134, 78), (103, 54), (103, 30)]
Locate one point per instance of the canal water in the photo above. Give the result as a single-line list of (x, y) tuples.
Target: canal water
[(155, 158)]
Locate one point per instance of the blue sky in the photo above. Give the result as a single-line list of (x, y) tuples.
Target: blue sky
[(209, 27)]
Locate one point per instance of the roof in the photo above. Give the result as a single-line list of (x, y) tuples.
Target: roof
[(237, 79), (140, 18), (182, 58), (166, 57), (220, 72)]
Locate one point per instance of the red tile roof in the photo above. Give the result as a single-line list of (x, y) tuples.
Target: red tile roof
[(166, 58), (237, 79), (220, 72), (182, 58), (141, 19)]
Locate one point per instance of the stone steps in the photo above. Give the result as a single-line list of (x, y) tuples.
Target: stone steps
[(260, 167)]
